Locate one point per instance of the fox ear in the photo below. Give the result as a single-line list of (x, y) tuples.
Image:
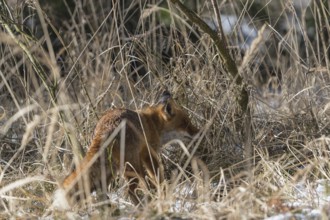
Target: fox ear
[(165, 97), (168, 110), (167, 104)]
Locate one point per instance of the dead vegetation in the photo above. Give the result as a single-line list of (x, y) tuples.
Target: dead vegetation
[(63, 65)]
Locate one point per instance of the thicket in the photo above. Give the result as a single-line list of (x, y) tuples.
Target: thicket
[(262, 104)]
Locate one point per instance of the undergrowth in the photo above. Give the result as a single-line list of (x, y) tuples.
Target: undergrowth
[(62, 65)]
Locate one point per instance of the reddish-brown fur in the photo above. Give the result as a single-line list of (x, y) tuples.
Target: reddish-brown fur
[(144, 130)]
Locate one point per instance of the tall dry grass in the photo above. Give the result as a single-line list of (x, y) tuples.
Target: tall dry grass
[(59, 74)]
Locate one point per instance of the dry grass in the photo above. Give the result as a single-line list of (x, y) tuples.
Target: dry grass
[(51, 97)]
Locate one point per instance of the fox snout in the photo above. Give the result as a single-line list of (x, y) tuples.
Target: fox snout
[(192, 130), (186, 135)]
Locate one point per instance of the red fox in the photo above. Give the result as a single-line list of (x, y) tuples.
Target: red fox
[(138, 151)]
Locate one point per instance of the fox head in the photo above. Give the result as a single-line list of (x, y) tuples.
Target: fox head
[(176, 119)]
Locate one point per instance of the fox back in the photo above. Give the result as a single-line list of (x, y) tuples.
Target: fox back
[(137, 151)]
